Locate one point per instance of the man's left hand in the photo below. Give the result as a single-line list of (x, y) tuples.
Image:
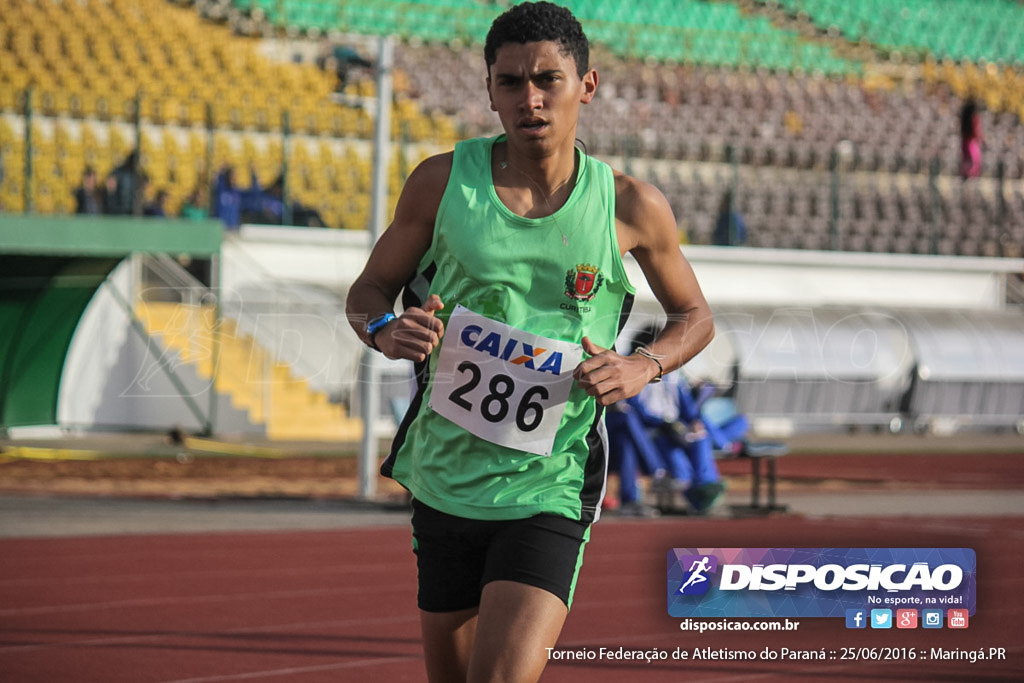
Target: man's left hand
[(611, 377)]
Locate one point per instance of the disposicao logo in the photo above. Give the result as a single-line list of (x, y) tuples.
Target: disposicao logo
[(697, 580), (817, 582)]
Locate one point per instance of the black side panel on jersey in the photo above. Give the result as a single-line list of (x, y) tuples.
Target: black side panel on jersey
[(414, 294), (597, 461)]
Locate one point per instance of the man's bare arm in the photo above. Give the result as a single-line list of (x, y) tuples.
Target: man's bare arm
[(647, 229), (393, 261), (690, 325)]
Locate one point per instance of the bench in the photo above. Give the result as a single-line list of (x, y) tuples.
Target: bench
[(758, 452), (721, 411)]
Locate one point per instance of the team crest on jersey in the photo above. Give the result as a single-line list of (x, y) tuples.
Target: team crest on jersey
[(583, 282)]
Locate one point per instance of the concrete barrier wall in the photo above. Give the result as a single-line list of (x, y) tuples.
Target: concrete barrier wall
[(804, 338)]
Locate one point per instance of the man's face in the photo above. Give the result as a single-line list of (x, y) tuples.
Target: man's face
[(537, 93)]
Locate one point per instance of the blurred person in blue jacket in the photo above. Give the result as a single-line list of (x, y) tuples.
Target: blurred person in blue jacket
[(663, 432), (632, 453), (227, 199), (232, 204)]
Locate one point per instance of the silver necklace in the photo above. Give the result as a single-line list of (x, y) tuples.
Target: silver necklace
[(505, 164)]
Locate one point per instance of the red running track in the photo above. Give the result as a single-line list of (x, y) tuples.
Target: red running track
[(339, 606)]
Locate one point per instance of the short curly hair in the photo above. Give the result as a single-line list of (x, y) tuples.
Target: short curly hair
[(537, 21)]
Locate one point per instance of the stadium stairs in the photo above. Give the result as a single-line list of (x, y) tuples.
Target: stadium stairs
[(267, 389)]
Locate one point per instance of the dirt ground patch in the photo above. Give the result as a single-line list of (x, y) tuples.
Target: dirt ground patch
[(141, 466), (244, 477), (192, 477)]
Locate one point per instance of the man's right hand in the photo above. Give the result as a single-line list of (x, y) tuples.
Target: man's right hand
[(414, 334)]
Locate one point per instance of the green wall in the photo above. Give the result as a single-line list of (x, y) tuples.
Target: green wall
[(50, 268)]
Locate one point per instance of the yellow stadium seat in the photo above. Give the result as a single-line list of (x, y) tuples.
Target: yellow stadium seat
[(90, 60)]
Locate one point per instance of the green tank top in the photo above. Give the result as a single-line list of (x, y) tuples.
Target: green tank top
[(529, 286)]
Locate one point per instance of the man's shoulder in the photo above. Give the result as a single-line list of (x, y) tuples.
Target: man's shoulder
[(437, 162), (643, 215), (634, 198), (431, 174)]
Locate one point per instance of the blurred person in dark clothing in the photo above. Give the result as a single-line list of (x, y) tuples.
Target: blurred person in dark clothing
[(157, 207), (340, 59), (123, 199), (87, 197), (730, 228), (263, 206), (108, 196)]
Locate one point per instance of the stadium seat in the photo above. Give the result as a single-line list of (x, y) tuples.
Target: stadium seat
[(707, 76)]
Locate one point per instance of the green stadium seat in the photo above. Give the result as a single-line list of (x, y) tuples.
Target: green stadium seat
[(935, 27), (635, 30)]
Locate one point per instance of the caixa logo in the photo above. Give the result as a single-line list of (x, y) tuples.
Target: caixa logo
[(508, 348), (783, 582)]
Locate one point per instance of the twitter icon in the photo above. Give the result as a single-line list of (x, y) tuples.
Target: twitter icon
[(881, 618)]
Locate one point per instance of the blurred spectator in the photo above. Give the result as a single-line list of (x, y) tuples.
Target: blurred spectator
[(971, 138), (340, 59), (108, 195), (695, 436), (268, 206), (255, 205), (662, 432), (227, 199), (631, 454), (87, 196), (306, 216), (124, 199), (263, 206), (194, 207), (730, 228), (156, 208)]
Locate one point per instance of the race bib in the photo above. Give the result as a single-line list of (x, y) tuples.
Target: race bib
[(502, 384)]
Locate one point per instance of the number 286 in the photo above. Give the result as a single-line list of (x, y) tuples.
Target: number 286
[(496, 404)]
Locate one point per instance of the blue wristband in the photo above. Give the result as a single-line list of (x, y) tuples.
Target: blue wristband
[(376, 325)]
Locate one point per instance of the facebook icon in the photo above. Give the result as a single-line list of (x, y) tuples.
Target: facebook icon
[(856, 618)]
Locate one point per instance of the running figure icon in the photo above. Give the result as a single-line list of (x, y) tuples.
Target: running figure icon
[(697, 570)]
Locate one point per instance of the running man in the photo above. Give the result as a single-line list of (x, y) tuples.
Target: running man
[(697, 571), (510, 254)]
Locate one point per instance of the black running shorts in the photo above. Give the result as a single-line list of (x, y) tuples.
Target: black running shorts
[(457, 557)]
